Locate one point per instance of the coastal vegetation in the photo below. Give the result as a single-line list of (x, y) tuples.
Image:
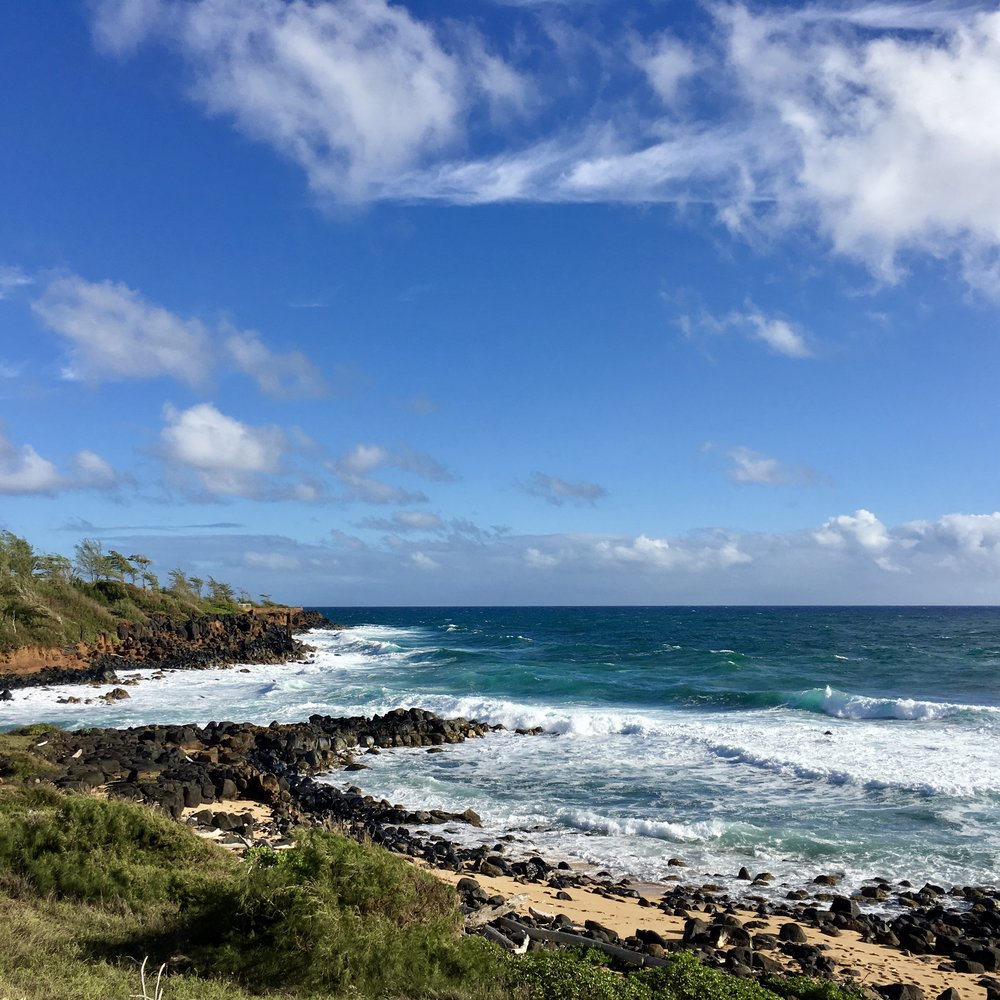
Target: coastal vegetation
[(90, 888), (49, 599)]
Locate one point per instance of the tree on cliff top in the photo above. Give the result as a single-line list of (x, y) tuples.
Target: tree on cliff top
[(91, 560)]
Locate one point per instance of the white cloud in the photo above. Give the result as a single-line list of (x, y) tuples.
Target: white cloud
[(666, 554), (284, 376), (12, 278), (753, 467), (355, 469), (779, 334), (558, 491), (423, 561), (24, 472), (667, 62), (537, 559), (354, 92), (878, 123), (92, 470), (227, 457), (862, 528), (419, 520), (277, 561), (406, 520), (117, 335), (954, 559)]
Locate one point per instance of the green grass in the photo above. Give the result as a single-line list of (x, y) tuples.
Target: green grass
[(90, 888)]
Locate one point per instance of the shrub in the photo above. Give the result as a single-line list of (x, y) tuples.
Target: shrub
[(685, 978), (81, 848), (334, 915), (568, 975)]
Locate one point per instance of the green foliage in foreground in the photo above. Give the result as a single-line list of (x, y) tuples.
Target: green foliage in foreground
[(89, 888)]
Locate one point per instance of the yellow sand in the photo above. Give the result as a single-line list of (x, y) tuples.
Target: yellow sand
[(874, 965)]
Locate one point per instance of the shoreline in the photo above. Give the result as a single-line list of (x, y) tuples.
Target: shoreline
[(254, 784), (244, 784)]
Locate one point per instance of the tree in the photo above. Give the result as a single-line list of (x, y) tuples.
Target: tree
[(119, 566), (179, 585), (17, 557), (55, 567), (151, 579), (197, 583), (220, 593), (142, 564), (91, 560)]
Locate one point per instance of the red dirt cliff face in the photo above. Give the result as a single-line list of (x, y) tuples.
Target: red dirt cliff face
[(32, 659)]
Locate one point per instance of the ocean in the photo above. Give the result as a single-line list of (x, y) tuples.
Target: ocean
[(796, 741)]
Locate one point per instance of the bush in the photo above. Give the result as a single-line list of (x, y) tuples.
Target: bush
[(568, 975), (81, 848), (334, 915)]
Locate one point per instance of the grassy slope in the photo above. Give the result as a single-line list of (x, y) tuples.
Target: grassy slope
[(89, 888), (46, 607)]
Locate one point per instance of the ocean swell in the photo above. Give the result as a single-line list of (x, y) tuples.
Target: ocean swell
[(844, 705)]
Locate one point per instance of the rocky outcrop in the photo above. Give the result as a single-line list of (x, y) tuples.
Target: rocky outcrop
[(223, 766), (205, 641)]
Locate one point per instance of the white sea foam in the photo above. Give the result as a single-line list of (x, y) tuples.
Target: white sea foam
[(677, 833), (844, 705)]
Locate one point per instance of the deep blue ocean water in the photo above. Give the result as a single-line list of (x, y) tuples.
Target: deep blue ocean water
[(792, 740)]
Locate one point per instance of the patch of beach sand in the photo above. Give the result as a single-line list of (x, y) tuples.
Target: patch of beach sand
[(874, 965)]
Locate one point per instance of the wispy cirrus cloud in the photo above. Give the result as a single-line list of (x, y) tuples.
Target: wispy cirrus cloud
[(778, 334), (12, 278), (114, 334), (872, 124)]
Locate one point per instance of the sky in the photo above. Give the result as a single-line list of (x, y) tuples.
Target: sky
[(351, 302)]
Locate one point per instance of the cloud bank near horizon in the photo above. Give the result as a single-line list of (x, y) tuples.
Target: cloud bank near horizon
[(849, 559)]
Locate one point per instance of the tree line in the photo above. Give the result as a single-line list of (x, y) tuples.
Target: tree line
[(20, 564)]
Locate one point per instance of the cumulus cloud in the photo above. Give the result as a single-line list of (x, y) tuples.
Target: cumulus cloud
[(356, 469), (662, 553), (24, 472), (876, 123), (114, 333), (226, 457), (862, 528), (558, 491)]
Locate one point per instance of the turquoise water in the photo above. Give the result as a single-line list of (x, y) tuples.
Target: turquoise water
[(857, 740), (796, 741)]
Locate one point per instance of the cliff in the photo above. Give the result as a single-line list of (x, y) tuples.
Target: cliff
[(257, 636)]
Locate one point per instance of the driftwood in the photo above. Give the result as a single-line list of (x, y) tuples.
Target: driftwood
[(488, 914), (562, 937)]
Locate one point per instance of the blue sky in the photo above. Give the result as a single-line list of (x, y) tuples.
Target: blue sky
[(510, 302)]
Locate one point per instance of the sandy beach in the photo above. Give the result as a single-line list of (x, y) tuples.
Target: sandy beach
[(858, 962)]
